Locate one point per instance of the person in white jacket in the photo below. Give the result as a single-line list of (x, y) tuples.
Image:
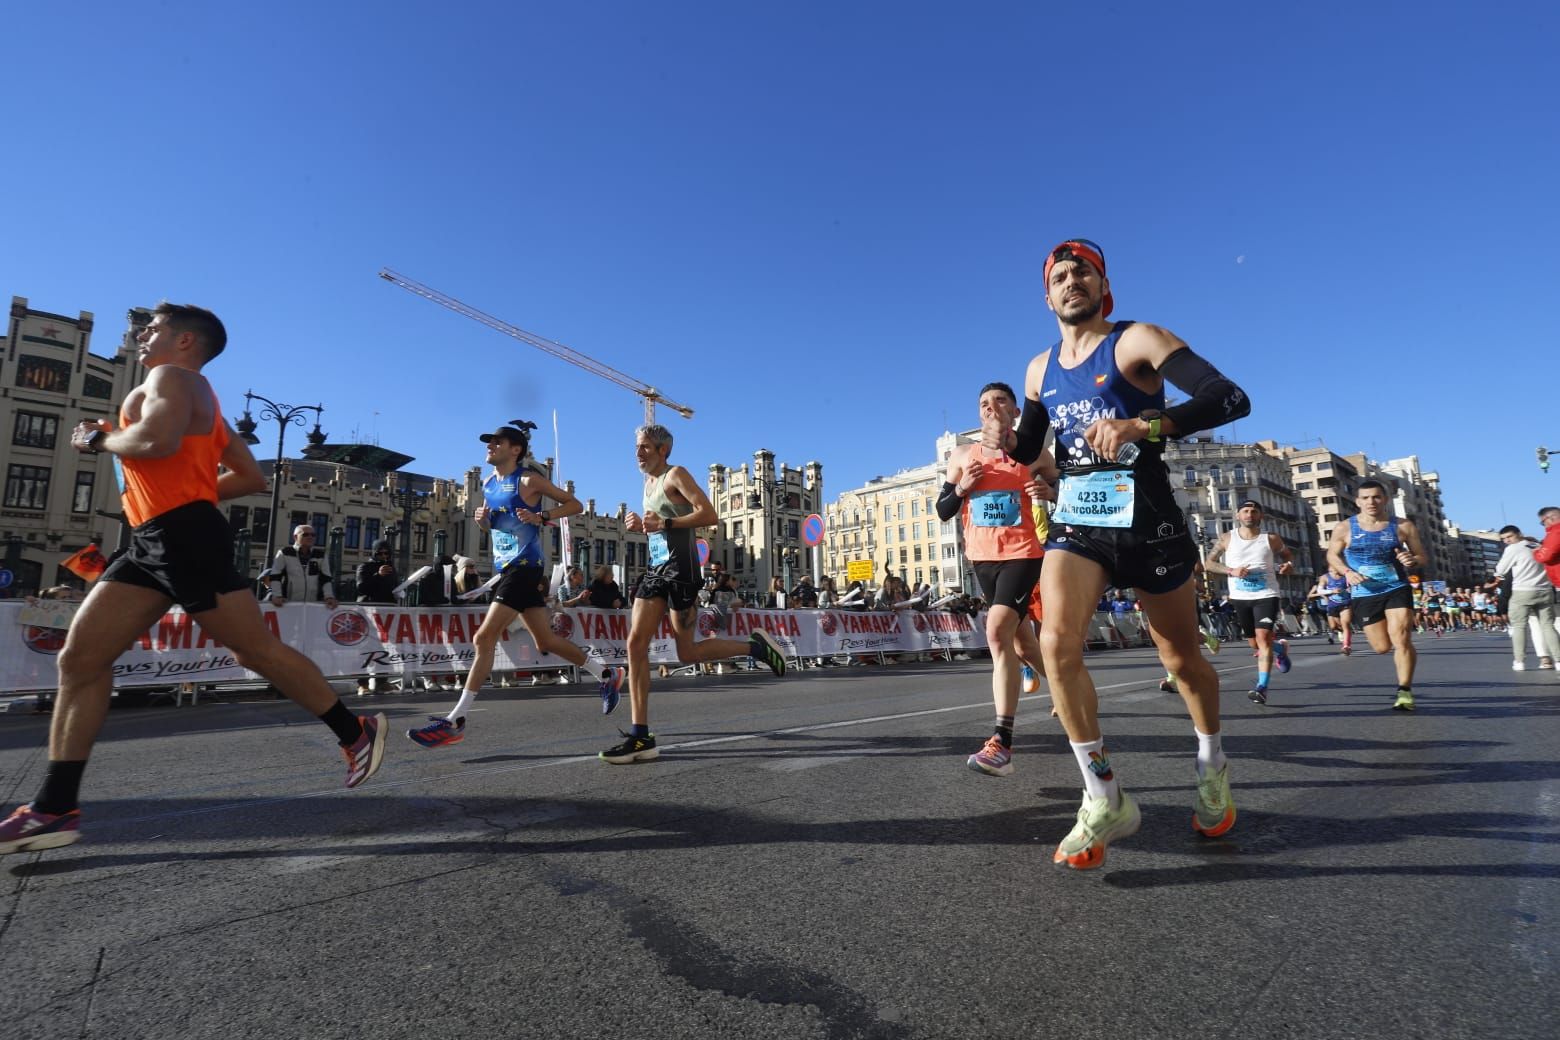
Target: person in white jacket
[(298, 572)]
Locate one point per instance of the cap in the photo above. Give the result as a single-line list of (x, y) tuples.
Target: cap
[(383, 545), (1249, 502), (1081, 249), (514, 432)]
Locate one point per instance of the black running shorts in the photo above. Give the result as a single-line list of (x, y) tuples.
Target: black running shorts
[(186, 554), (667, 582), (1370, 609), (1152, 556), (1255, 613), (1007, 583), (521, 587)]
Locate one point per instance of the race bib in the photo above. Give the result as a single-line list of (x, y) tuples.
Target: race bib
[(995, 509), (659, 552), (1254, 581), (1100, 499), (1376, 574)]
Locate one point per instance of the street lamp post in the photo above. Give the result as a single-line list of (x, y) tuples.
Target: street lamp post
[(285, 415)]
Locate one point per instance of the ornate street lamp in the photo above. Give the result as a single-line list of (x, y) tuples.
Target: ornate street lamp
[(285, 415)]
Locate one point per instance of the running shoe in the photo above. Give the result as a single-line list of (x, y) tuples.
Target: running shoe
[(28, 831), (762, 647), (993, 759), (1030, 683), (439, 732), (1281, 653), (1257, 695), (1167, 685), (1546, 664), (1214, 811), (612, 680), (633, 749), (1211, 641), (1345, 649), (1404, 702), (1518, 666), (1098, 825), (363, 757)]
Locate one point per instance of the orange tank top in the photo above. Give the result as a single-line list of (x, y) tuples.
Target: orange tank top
[(997, 520), (156, 486)]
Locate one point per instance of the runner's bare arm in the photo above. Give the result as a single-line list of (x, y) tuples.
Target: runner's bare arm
[(1214, 562), (240, 474), (1335, 547), (703, 514), (568, 505), (1282, 552), (1409, 534), (166, 405)]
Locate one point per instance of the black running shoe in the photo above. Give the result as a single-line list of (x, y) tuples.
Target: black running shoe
[(762, 647), (1257, 695), (633, 749)]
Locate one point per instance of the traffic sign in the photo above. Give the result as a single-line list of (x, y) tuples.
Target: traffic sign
[(812, 529), (704, 551), (6, 577)]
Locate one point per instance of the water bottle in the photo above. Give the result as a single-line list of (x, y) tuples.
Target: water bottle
[(1128, 454)]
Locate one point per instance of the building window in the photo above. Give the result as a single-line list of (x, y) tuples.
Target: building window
[(904, 557), (901, 515), (1303, 487), (420, 539), (97, 386), (915, 530), (901, 532), (793, 528), (81, 501), (1214, 474), (1190, 475), (321, 524), (918, 554), (915, 507), (1323, 467), (1304, 467), (238, 518), (736, 558), (1240, 474), (48, 374), (33, 430), (371, 532), (27, 487), (354, 532), (261, 525), (296, 519), (1224, 499), (612, 548)]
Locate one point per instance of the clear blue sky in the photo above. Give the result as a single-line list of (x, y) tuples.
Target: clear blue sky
[(822, 225)]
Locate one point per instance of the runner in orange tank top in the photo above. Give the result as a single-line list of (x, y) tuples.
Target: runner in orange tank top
[(179, 460), (994, 493)]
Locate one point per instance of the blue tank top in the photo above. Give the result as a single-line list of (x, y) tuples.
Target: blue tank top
[(1337, 589), (1374, 555), (514, 540)]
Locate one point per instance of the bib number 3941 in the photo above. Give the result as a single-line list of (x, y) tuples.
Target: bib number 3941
[(1100, 499), (995, 509)]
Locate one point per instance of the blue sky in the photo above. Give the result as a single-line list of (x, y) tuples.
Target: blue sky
[(822, 225)]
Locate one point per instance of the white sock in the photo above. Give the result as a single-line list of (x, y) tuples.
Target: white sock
[(1098, 779), (463, 705), (1210, 753)]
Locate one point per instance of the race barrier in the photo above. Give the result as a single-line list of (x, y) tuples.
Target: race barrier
[(360, 639)]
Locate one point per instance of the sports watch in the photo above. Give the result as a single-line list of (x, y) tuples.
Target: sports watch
[(1152, 416)]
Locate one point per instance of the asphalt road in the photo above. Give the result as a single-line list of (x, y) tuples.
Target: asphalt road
[(809, 858)]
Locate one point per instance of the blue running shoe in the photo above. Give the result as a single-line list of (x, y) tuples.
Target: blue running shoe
[(439, 732), (612, 680), (1281, 654)]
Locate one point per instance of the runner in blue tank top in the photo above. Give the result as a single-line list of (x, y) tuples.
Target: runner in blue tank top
[(513, 512), (1339, 606), (1116, 523), (1374, 552)]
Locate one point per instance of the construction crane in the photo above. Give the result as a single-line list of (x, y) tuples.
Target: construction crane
[(651, 395)]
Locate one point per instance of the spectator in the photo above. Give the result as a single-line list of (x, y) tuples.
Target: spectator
[(1548, 552), (297, 572), (468, 580), (774, 599), (604, 593), (376, 582), (1531, 594), (804, 595), (574, 593), (828, 595)]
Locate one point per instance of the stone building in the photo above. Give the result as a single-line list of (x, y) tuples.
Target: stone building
[(761, 509)]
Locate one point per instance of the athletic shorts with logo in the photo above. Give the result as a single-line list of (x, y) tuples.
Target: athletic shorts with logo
[(186, 554), (667, 581), (1255, 613), (1007, 583), (1155, 555), (1370, 609), (521, 587)]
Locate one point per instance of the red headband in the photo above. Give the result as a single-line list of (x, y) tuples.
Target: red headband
[(1079, 249)]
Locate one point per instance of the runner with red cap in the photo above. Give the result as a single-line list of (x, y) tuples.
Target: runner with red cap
[(1102, 388)]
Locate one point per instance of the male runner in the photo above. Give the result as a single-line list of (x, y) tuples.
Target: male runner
[(512, 511), (992, 493), (1373, 551), (1251, 558), (1117, 523), (179, 458), (674, 508), (1333, 587)]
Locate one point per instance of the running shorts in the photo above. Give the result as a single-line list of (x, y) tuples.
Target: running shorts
[(666, 581), (1007, 583), (1255, 613), (186, 554), (1152, 558), (521, 587), (1370, 609)]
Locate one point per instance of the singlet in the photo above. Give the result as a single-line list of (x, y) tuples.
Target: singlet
[(1261, 582), (997, 523), (1094, 491), (514, 540), (1374, 555), (677, 545), (1337, 590), (153, 487)]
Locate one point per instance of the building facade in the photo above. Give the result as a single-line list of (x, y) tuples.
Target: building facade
[(761, 509)]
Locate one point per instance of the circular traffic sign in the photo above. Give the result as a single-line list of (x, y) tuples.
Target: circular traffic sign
[(812, 529), (704, 551), (6, 577)]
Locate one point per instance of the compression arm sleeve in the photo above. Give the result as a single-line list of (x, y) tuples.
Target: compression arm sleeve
[(1029, 438), (948, 503), (1214, 399)]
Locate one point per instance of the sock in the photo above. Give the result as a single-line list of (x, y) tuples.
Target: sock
[(637, 730), (347, 727), (61, 790), (1402, 688), (1262, 680), (1098, 779), (1170, 677), (463, 705), (1210, 752), (1004, 730)]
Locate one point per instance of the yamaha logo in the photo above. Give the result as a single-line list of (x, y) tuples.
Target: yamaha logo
[(562, 625), (43, 640), (919, 622), (347, 627), (828, 624), (706, 623)]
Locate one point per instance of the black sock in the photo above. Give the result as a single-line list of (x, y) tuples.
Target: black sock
[(636, 730), (61, 790), (347, 726), (1004, 730), (1405, 689)]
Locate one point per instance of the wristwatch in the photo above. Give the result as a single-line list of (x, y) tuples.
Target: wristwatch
[(1152, 416), (94, 438)]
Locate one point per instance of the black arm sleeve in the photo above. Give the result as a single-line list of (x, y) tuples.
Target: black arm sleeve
[(1033, 423), (1214, 399), (948, 503)]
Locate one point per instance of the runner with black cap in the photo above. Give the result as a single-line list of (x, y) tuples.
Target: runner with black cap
[(675, 507), (1254, 560), (1117, 523), (513, 512)]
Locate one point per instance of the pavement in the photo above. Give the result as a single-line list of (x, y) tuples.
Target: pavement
[(809, 857)]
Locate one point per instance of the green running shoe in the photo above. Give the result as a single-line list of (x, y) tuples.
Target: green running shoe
[(1404, 702), (1098, 825), (1214, 811), (1211, 641)]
